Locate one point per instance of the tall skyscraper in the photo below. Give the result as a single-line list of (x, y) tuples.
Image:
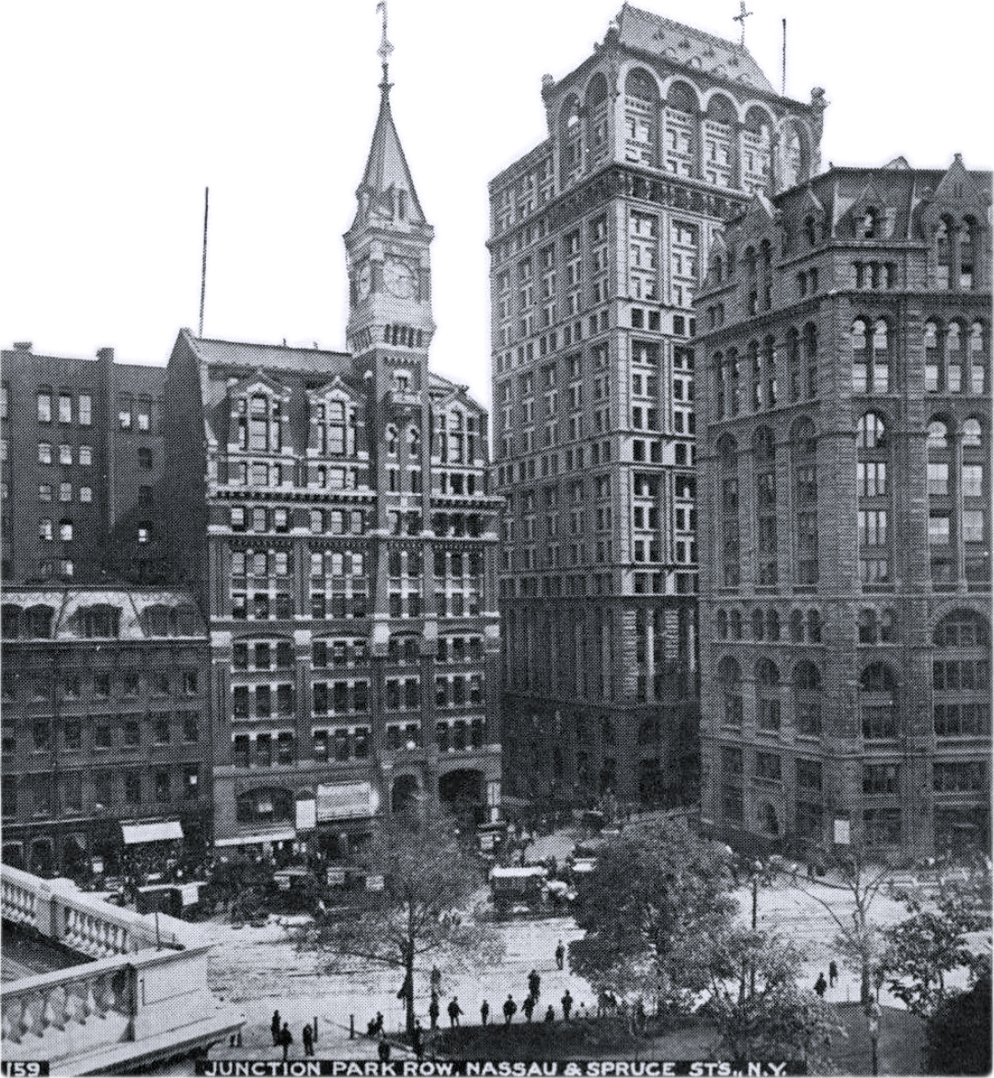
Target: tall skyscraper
[(331, 511), (845, 500), (598, 238)]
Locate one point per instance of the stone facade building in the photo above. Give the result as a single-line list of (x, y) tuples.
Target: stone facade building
[(106, 731), (331, 512), (843, 409), (82, 461), (598, 236)]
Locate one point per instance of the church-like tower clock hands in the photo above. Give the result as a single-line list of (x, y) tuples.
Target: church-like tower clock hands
[(399, 280)]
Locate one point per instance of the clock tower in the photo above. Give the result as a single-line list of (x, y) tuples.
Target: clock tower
[(387, 251)]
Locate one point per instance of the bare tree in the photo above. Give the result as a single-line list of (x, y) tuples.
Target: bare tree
[(859, 940), (428, 875)]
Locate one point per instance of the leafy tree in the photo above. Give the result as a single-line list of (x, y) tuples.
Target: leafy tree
[(655, 898), (932, 942), (858, 940), (776, 1019), (959, 1031), (427, 875)]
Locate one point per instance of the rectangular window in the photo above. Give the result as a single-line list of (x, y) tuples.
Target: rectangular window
[(65, 408), (44, 406)]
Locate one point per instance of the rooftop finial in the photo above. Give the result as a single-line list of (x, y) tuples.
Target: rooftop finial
[(741, 20), (385, 48)]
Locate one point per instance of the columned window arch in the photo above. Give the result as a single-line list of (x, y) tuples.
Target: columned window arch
[(764, 469), (641, 117), (730, 686), (808, 695), (872, 493), (767, 696), (804, 463), (878, 703), (730, 553)]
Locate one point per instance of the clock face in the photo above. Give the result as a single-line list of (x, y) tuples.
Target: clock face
[(398, 278), (365, 280)]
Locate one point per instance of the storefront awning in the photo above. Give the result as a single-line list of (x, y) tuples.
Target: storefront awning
[(164, 831), (254, 840)]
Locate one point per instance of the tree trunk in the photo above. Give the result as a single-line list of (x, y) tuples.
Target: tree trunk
[(864, 984), (409, 973)]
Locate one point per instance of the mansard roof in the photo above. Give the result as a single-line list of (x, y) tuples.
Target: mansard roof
[(689, 47)]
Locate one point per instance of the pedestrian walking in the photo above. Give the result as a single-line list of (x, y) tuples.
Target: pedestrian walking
[(510, 1010), (286, 1039), (484, 1012), (307, 1037), (550, 1014), (567, 1002), (833, 973), (433, 1010), (560, 955), (383, 1049), (534, 984), (820, 985), (417, 1039), (454, 1011), (275, 1026), (528, 1007)]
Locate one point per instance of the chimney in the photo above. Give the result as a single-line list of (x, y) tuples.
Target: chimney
[(106, 354), (22, 346)]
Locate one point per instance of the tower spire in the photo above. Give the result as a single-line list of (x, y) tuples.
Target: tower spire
[(385, 48)]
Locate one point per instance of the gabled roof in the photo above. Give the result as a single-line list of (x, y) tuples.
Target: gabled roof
[(387, 171), (689, 47)]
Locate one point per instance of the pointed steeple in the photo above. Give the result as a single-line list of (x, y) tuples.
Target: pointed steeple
[(387, 190)]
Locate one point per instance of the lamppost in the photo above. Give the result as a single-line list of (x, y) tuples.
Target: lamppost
[(873, 1028)]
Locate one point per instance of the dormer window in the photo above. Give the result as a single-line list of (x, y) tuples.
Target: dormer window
[(809, 231), (868, 226)]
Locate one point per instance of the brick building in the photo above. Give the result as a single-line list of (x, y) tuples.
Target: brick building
[(331, 512), (82, 460), (106, 738), (844, 399), (597, 241)]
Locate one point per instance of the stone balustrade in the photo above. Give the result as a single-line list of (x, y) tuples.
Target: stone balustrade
[(84, 922), (145, 995)]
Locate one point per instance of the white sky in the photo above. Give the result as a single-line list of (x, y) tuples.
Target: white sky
[(117, 114)]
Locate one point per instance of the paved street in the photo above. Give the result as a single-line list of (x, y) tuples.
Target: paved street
[(258, 969)]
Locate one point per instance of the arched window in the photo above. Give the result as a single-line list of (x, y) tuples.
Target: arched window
[(797, 626), (719, 147), (979, 359), (756, 140), (943, 255), (721, 624), (941, 504), (597, 119), (860, 357), (807, 699), (796, 156), (735, 624), (730, 553), (967, 253), (718, 380), (641, 117), (730, 682), (810, 233), (867, 229), (392, 440), (772, 625), (880, 366), (974, 496), (794, 376), (754, 372), (814, 626), (570, 155), (156, 620), (100, 620), (717, 269), (734, 381), (764, 465), (872, 459), (757, 624), (804, 446), (878, 703), (954, 357), (680, 114), (933, 357), (972, 432), (811, 358), (767, 696)]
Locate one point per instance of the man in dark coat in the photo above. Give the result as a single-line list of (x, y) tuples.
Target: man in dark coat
[(534, 984), (454, 1011), (308, 1039), (274, 1027), (528, 1007), (567, 1002), (560, 955), (510, 1009), (484, 1012), (433, 1010), (286, 1039)]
